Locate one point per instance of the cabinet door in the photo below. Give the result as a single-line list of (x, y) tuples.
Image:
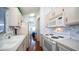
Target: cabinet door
[(14, 16), (62, 48), (60, 20), (11, 17), (20, 18), (47, 45), (58, 10), (25, 44), (21, 47), (41, 41), (71, 15), (49, 16), (52, 23), (57, 22)]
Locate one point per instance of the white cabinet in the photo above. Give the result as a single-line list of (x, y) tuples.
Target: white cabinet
[(57, 22), (24, 45), (52, 23), (51, 14), (47, 44), (71, 15), (48, 15), (41, 40), (55, 17), (14, 16), (60, 21), (62, 48), (54, 12), (21, 47), (58, 10)]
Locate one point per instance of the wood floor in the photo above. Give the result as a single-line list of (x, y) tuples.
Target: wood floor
[(34, 45)]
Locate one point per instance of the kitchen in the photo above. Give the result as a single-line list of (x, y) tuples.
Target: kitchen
[(57, 28)]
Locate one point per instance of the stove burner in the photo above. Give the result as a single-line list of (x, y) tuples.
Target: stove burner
[(57, 37), (60, 36), (54, 37)]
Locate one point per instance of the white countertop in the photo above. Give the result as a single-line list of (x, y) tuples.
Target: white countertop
[(70, 43), (11, 44)]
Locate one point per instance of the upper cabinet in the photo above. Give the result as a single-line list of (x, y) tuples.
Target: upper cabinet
[(55, 12), (14, 16), (58, 11), (48, 15), (57, 22), (51, 14), (71, 15), (62, 16), (55, 17)]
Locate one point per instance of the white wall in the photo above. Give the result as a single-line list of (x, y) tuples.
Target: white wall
[(23, 30)]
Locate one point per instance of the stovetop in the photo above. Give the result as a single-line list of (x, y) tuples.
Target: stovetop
[(57, 37), (54, 36)]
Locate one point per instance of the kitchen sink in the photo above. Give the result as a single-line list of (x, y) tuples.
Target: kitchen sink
[(8, 43)]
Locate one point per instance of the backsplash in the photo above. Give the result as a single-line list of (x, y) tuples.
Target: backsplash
[(71, 32), (74, 32)]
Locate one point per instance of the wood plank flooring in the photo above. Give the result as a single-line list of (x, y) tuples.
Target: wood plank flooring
[(34, 45)]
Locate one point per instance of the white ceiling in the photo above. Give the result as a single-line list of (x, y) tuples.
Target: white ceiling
[(28, 10)]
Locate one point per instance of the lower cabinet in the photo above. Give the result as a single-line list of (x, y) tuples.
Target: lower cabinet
[(47, 44), (23, 45), (62, 48), (20, 48), (41, 40)]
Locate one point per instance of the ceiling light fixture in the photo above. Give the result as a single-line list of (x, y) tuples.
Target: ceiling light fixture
[(32, 14)]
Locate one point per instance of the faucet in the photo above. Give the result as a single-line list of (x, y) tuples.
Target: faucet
[(7, 35)]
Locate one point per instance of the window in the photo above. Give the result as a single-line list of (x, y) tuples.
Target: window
[(2, 20)]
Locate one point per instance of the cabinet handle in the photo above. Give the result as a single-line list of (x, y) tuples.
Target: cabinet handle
[(18, 23), (62, 9), (66, 19), (60, 18)]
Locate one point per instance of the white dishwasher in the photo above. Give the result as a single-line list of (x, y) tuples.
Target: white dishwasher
[(49, 45)]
